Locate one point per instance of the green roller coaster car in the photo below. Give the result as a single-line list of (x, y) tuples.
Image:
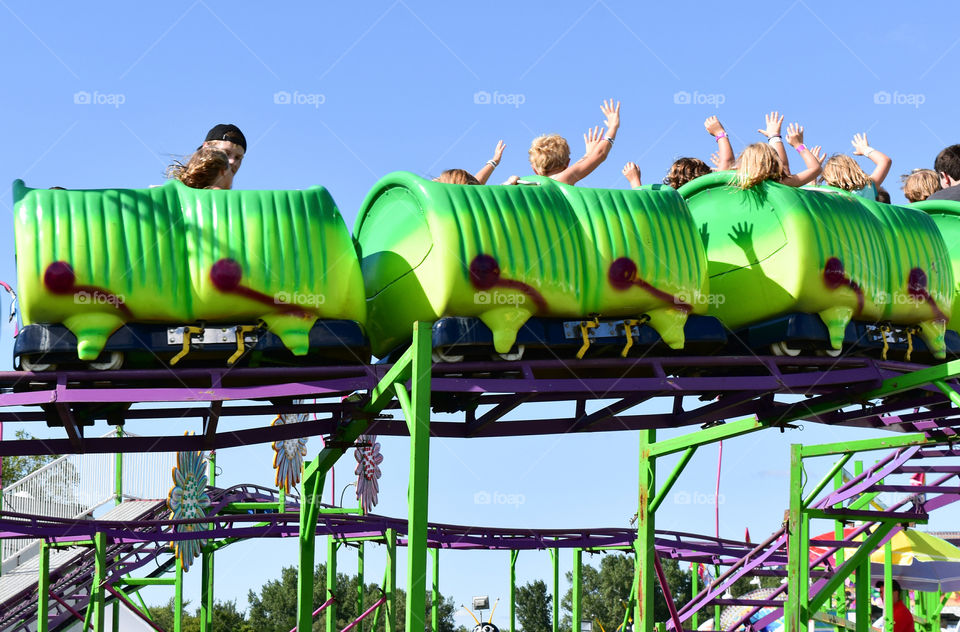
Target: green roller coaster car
[(94, 260), (507, 253), (774, 250)]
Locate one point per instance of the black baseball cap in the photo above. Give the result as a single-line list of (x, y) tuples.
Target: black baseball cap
[(228, 132)]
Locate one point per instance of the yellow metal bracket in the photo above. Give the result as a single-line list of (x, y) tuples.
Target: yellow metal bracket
[(585, 327), (884, 330), (187, 331), (628, 325), (910, 332), (241, 330)]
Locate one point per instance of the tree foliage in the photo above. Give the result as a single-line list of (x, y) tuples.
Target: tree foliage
[(533, 607), (17, 467)]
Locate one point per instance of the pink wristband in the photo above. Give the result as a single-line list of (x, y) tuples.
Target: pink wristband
[(721, 135), (801, 147)]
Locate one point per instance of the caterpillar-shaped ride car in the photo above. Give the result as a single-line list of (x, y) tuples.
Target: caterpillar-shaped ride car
[(505, 254), (778, 254), (172, 273)]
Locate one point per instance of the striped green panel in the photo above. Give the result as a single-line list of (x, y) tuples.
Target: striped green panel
[(652, 227), (121, 242)]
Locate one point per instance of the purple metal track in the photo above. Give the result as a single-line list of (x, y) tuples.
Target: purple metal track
[(737, 386)]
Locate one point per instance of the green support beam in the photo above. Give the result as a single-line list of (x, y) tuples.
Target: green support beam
[(390, 582), (43, 589), (555, 555), (513, 590), (435, 592), (178, 598), (795, 619), (577, 590), (315, 471), (206, 591), (97, 596), (644, 544), (668, 484), (417, 413), (888, 587), (330, 614), (867, 445), (361, 583), (707, 436)]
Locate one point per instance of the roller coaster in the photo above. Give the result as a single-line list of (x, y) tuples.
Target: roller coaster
[(710, 308)]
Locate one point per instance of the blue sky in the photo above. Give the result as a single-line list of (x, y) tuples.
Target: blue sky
[(104, 95)]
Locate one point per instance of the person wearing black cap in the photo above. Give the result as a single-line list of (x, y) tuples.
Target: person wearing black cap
[(228, 138), (902, 619)]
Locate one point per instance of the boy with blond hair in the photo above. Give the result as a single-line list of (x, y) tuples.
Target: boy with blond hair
[(550, 154)]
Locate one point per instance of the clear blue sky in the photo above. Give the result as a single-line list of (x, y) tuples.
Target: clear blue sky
[(382, 86)]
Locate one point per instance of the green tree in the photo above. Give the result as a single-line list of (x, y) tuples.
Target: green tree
[(17, 467), (606, 591), (274, 608), (226, 617), (533, 607)]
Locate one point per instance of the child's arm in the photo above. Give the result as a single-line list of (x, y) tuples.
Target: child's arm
[(725, 157), (598, 151), (484, 174), (795, 138), (883, 162), (632, 173), (772, 131)]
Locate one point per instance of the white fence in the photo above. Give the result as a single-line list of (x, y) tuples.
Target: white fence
[(75, 485)]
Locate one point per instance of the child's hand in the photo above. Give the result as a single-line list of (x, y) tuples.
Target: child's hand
[(512, 180), (819, 154), (592, 138), (632, 173), (773, 120), (860, 145), (713, 125), (715, 159), (795, 134), (612, 114), (498, 152)]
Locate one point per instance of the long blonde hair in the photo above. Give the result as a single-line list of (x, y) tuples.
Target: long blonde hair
[(758, 162), (843, 172)]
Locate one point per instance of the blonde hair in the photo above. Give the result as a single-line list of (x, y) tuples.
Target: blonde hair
[(920, 184), (457, 176), (202, 170), (843, 172), (758, 162), (683, 170), (549, 154)]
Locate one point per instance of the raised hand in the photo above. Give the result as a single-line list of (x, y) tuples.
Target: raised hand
[(773, 122), (715, 159), (611, 113), (860, 144), (795, 134), (819, 154), (632, 173), (498, 152), (713, 126), (592, 139)]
